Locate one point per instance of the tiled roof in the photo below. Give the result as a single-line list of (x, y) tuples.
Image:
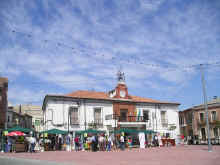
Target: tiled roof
[(104, 96), (89, 95), (3, 79)]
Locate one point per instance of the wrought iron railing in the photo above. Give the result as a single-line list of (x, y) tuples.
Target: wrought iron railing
[(164, 122), (74, 121), (127, 118)]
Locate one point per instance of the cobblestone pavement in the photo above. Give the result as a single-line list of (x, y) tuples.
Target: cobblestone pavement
[(180, 155)]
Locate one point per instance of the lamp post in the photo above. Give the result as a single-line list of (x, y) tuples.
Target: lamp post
[(68, 121), (206, 107), (114, 116), (2, 141)]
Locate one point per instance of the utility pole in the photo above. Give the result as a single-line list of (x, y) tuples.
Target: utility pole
[(68, 121), (206, 107)]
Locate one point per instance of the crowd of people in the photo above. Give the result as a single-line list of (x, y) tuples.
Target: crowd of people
[(29, 143), (81, 142)]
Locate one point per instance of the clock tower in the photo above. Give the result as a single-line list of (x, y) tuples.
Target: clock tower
[(121, 89)]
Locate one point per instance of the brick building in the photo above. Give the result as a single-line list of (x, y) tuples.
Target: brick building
[(193, 121), (3, 101)]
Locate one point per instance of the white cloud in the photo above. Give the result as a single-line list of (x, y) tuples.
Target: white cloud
[(91, 33)]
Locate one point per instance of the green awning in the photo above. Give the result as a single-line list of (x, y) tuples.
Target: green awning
[(94, 131), (125, 130), (17, 128), (55, 131)]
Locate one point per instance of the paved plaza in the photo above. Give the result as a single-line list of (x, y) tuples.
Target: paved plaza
[(181, 155)]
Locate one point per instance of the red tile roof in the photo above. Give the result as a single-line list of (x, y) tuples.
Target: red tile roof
[(89, 95), (105, 96)]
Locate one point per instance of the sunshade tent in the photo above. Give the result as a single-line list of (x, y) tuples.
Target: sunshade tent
[(55, 131), (17, 128), (16, 133), (89, 131), (133, 131)]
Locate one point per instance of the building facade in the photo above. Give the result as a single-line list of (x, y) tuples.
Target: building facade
[(193, 121), (36, 114), (3, 101), (109, 111), (18, 119)]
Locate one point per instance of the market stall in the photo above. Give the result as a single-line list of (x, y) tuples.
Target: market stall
[(17, 138), (86, 136), (134, 135), (51, 140), (18, 144)]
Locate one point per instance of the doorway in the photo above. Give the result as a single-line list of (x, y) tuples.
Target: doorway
[(203, 133)]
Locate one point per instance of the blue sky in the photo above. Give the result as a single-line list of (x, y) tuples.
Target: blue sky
[(56, 47)]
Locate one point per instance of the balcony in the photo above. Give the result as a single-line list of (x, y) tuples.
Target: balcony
[(126, 118), (164, 122), (132, 119), (201, 122), (96, 123), (74, 121)]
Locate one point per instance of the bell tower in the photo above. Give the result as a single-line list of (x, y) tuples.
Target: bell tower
[(121, 88)]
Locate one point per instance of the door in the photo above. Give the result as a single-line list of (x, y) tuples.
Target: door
[(203, 133)]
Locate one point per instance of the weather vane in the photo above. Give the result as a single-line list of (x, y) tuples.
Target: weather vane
[(120, 75)]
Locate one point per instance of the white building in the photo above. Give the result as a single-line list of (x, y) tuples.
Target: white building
[(108, 111)]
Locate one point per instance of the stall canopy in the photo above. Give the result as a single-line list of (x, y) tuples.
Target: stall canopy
[(16, 133), (55, 131), (125, 130), (94, 131), (17, 128)]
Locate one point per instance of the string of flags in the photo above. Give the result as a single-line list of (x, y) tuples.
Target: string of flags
[(126, 59)]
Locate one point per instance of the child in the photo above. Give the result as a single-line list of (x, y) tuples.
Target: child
[(130, 143)]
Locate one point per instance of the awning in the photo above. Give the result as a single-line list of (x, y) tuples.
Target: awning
[(55, 131), (17, 128), (16, 133), (94, 131), (125, 130)]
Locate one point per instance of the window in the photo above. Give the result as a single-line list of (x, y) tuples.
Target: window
[(215, 132), (213, 114), (37, 122), (8, 118), (97, 116), (73, 114), (164, 121), (181, 120), (203, 133), (146, 115), (201, 115), (189, 117), (123, 114)]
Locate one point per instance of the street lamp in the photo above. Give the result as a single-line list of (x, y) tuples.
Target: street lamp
[(206, 107)]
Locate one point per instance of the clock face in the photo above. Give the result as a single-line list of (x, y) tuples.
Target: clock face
[(122, 93)]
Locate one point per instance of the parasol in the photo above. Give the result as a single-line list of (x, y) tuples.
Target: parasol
[(16, 133)]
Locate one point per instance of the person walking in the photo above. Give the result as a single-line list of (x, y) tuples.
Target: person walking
[(160, 140), (76, 140), (101, 143), (109, 143), (93, 141), (122, 141), (32, 143), (130, 143)]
